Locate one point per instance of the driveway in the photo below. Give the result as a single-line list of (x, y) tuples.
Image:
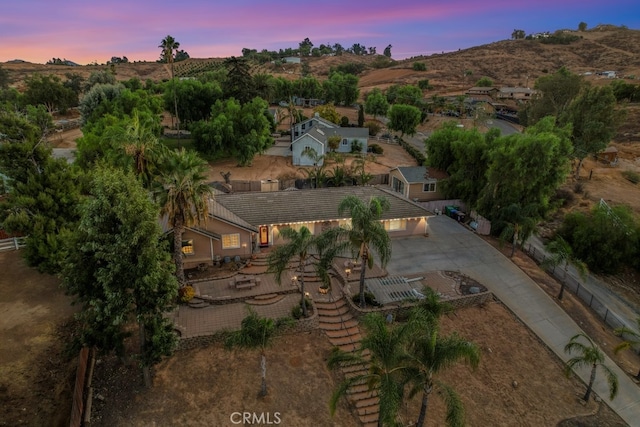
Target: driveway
[(450, 246)]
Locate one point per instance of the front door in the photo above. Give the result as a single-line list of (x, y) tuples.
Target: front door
[(264, 235)]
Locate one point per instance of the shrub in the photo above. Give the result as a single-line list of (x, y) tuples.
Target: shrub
[(374, 127), (376, 149), (344, 121), (578, 188), (356, 146), (419, 66), (186, 293), (424, 84), (631, 176), (296, 310)]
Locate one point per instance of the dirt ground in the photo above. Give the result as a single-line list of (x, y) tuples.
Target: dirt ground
[(519, 382), (36, 374)]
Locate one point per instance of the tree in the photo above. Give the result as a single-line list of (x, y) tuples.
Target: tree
[(518, 34), (50, 92), (366, 233), (557, 92), (360, 115), (255, 332), (168, 46), (119, 271), (589, 355), (519, 224), (484, 82), (302, 247), (376, 103), (239, 83), (101, 77), (305, 47), (195, 99), (4, 78), (431, 354), (594, 119), (238, 130), (582, 26), (184, 197), (341, 88), (404, 94), (631, 340), (383, 349), (404, 119), (561, 253), (387, 51), (328, 112)]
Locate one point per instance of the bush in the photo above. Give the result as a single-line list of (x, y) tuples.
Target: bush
[(296, 310), (356, 146), (419, 66), (376, 149), (424, 84), (631, 176), (374, 127), (186, 293), (413, 151), (344, 121)]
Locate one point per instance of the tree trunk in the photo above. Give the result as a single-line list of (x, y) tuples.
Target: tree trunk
[(178, 229), (303, 302), (514, 244), (578, 168), (146, 371), (365, 261), (263, 368), (423, 406), (591, 381)]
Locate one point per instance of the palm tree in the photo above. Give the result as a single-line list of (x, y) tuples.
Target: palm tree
[(139, 143), (589, 355), (383, 350), (366, 232), (632, 341), (183, 197), (169, 45), (255, 332), (432, 353), (301, 246), (520, 224), (561, 253)]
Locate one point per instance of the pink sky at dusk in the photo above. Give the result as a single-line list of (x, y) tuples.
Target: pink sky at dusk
[(85, 31)]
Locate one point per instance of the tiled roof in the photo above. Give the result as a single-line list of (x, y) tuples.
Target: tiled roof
[(415, 174), (321, 204)]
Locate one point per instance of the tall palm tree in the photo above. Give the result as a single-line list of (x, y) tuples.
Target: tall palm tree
[(255, 332), (631, 342), (561, 253), (589, 355), (431, 354), (367, 233), (383, 350), (183, 197), (301, 246), (169, 45)]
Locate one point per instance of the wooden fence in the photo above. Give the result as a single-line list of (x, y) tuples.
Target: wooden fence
[(12, 244), (84, 374)]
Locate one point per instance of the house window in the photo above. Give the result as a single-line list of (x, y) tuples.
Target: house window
[(345, 142), (429, 187), (303, 126), (396, 225), (397, 185), (231, 241), (187, 247)]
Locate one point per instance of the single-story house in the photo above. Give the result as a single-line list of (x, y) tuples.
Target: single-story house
[(516, 93), (299, 129), (478, 90), (417, 183), (239, 223)]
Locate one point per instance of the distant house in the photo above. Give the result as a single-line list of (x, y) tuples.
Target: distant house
[(417, 183), (313, 134), (609, 155), (516, 93), (477, 90), (291, 60), (239, 223)]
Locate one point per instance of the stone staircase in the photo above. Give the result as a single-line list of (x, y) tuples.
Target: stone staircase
[(343, 332)]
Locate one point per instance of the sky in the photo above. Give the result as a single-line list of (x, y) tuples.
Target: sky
[(86, 31)]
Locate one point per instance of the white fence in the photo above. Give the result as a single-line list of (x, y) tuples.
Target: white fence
[(12, 244)]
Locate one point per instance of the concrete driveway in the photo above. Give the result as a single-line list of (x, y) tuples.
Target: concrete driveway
[(450, 246)]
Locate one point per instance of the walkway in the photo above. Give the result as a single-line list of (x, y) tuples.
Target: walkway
[(450, 246)]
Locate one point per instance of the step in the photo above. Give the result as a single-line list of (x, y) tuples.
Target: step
[(364, 403), (349, 347), (335, 319), (364, 395), (337, 326), (274, 299), (368, 414), (198, 303), (359, 388), (344, 332), (265, 296), (332, 305), (333, 312), (346, 340)]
